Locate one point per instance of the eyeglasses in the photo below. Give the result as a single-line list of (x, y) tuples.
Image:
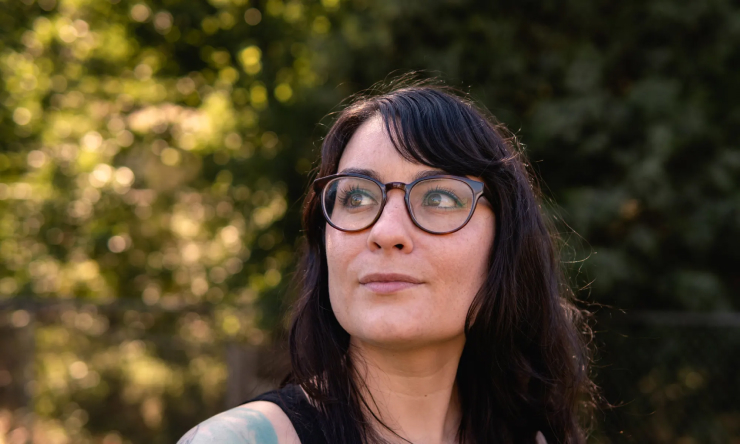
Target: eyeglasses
[(437, 204)]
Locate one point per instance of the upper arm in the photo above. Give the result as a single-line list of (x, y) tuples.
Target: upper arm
[(254, 423)]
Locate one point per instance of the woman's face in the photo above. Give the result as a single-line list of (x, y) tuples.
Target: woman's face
[(394, 285)]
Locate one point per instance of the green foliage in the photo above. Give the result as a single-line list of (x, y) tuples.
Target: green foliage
[(154, 153)]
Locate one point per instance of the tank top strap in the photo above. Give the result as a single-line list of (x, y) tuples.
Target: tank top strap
[(304, 417)]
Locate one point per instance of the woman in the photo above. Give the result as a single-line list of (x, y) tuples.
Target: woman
[(432, 306)]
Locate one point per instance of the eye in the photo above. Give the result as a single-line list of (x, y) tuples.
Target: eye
[(442, 199), (357, 197)]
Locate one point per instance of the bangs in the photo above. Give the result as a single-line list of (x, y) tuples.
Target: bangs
[(432, 128)]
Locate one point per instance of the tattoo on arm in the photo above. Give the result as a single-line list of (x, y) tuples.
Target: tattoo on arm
[(188, 437), (236, 426)]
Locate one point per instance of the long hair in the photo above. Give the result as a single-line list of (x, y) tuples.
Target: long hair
[(525, 363)]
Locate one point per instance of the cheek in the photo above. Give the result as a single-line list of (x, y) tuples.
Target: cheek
[(467, 269), (341, 249), (465, 272)]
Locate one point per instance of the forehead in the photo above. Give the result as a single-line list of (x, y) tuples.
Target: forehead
[(371, 148)]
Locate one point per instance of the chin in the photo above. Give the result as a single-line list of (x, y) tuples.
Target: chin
[(402, 336), (391, 335), (383, 330)]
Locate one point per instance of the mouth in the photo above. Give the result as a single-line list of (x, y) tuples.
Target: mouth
[(388, 283)]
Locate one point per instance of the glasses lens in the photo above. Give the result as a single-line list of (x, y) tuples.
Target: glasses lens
[(441, 205), (352, 203)]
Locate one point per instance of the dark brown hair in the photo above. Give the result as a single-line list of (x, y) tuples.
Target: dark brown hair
[(525, 364)]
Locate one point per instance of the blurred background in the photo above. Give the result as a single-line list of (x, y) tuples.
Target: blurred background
[(154, 154)]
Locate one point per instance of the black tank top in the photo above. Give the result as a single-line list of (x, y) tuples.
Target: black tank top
[(304, 417)]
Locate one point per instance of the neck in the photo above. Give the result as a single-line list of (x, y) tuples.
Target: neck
[(412, 391)]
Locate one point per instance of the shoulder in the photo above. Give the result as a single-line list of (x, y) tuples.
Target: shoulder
[(258, 422)]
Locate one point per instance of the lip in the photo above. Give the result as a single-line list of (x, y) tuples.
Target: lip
[(387, 283)]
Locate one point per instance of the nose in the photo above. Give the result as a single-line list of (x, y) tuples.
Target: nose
[(394, 227)]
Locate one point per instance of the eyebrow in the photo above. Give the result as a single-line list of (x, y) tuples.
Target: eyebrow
[(376, 176)]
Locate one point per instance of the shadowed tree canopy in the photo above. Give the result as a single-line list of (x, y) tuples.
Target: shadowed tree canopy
[(154, 154)]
